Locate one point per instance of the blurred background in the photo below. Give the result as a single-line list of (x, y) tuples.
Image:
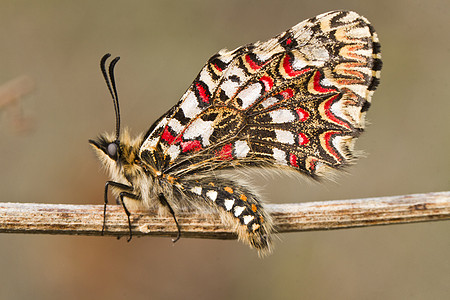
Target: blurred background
[(45, 156)]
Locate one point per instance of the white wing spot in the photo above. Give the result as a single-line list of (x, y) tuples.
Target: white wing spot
[(282, 116), (299, 63), (280, 156), (250, 94), (226, 56), (212, 195), (229, 204), (229, 86), (269, 102), (175, 125), (206, 78), (197, 190), (174, 151), (241, 149), (238, 210), (150, 143), (284, 136), (190, 105), (201, 128), (326, 82), (248, 219)]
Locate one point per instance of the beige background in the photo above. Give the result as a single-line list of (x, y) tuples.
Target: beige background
[(163, 45)]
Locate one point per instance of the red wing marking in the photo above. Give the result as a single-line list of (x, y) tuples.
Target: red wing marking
[(330, 115), (268, 82), (293, 160), (225, 153), (253, 64), (303, 115), (167, 136), (302, 139), (318, 87), (191, 146), (289, 69), (287, 93), (327, 137), (204, 95), (217, 67)]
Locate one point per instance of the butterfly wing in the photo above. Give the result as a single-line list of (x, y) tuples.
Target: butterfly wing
[(296, 101)]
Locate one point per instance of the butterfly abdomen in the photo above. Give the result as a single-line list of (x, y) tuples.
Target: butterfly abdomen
[(238, 206)]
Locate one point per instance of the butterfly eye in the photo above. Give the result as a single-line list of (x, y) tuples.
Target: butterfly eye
[(112, 150)]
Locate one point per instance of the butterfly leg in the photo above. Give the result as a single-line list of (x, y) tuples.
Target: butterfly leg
[(131, 196), (164, 202), (118, 185)]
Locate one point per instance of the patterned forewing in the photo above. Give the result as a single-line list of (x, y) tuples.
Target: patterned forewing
[(169, 129), (296, 101)]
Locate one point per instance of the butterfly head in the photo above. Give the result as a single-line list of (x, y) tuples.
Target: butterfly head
[(107, 147), (118, 157), (118, 151)]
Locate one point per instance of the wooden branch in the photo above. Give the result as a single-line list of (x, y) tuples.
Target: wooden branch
[(88, 219)]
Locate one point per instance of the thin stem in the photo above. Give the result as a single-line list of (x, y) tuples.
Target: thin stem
[(88, 219)]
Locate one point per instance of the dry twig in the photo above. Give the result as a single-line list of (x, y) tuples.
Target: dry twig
[(88, 219)]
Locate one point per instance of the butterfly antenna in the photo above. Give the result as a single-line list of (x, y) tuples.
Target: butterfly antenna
[(111, 83)]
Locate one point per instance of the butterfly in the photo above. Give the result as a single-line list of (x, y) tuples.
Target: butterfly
[(294, 103)]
